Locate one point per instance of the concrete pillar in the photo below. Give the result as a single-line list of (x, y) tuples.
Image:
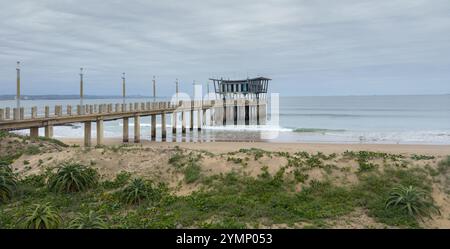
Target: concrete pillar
[(49, 131), (199, 119), (124, 107), (91, 109), (87, 134), (224, 113), (247, 113), (7, 113), (211, 116), (34, 132), (257, 112), (21, 113), (69, 110), (95, 108), (142, 106), (34, 112), (191, 117), (183, 122), (2, 114), (137, 129), (117, 108), (125, 130), (235, 112), (99, 131), (204, 117), (163, 126), (47, 111), (174, 122), (153, 128)]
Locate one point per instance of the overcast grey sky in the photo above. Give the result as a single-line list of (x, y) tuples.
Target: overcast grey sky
[(308, 47)]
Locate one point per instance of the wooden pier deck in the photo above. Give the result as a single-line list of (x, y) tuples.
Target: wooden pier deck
[(229, 112)]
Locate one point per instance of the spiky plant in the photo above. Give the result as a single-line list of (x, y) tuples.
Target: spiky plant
[(72, 177), (8, 183), (90, 220), (41, 216), (135, 192), (413, 200)]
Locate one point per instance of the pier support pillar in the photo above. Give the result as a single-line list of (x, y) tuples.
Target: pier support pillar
[(137, 129), (183, 122), (235, 112), (125, 130), (204, 117), (87, 134), (99, 131), (153, 121), (257, 112), (163, 126), (224, 114), (34, 132), (247, 113), (49, 131), (199, 119), (191, 117), (174, 122)]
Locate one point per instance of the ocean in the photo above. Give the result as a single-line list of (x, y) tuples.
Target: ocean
[(421, 119)]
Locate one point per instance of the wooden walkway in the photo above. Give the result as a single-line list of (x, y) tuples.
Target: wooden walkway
[(230, 112)]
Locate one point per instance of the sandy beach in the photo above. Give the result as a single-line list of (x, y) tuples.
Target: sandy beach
[(223, 147)]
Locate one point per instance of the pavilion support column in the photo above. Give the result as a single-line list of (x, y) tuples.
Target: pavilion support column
[(224, 114), (211, 115), (257, 112), (199, 119), (137, 129), (183, 122), (174, 122), (34, 132), (125, 132), (247, 113), (153, 121), (163, 127), (100, 131), (49, 131), (235, 112), (191, 116), (204, 117), (87, 134)]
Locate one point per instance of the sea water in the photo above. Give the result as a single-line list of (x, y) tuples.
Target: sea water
[(421, 119)]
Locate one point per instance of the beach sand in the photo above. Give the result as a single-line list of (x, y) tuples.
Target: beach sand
[(223, 147)]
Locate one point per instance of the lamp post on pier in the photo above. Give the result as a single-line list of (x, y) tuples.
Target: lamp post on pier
[(81, 90), (18, 85), (123, 88), (154, 88)]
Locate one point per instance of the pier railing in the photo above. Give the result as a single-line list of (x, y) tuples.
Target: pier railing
[(228, 112)]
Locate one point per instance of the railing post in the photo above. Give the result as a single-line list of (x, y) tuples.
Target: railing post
[(47, 111), (7, 113), (33, 112), (69, 110)]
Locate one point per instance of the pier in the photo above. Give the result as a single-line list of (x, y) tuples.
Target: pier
[(237, 111)]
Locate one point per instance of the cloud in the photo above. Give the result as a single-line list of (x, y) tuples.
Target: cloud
[(308, 47)]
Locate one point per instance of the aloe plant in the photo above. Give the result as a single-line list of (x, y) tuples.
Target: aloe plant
[(413, 200), (72, 177), (135, 192), (91, 220), (41, 216), (8, 183)]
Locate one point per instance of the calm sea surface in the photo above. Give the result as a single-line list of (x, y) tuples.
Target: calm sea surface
[(346, 119)]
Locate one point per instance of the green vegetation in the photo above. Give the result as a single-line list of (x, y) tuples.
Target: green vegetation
[(8, 183), (89, 220), (41, 216), (72, 177), (139, 191), (416, 202), (304, 192)]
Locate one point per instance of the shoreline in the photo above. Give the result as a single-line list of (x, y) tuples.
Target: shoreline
[(228, 146)]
